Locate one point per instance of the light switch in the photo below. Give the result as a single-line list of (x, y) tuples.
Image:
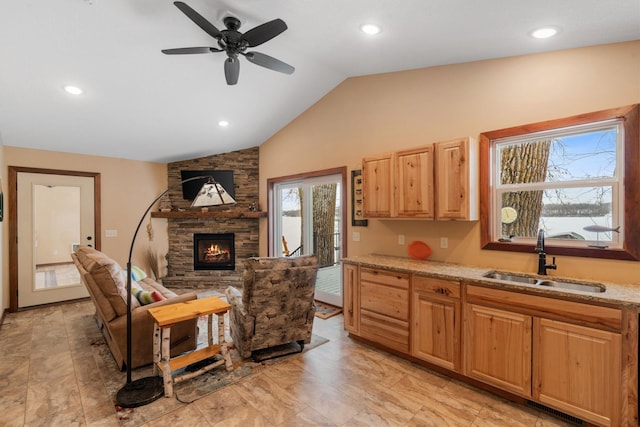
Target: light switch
[(355, 236), (110, 233)]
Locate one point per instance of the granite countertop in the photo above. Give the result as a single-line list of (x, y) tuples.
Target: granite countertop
[(616, 293)]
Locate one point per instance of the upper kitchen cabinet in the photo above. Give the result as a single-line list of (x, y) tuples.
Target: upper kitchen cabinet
[(456, 179), (436, 181), (377, 175), (414, 183)]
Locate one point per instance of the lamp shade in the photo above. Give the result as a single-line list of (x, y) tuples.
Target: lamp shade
[(212, 194)]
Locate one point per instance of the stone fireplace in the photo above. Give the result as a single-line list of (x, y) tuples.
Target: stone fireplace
[(183, 223), (214, 251)]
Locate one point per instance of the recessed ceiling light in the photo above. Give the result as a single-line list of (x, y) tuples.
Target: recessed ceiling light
[(73, 90), (370, 29), (544, 33), (223, 123)]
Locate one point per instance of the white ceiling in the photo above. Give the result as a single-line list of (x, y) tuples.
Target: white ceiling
[(141, 104)]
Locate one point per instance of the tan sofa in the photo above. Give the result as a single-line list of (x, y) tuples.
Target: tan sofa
[(106, 282), (276, 304)]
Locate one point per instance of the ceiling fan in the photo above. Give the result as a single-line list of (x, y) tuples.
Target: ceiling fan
[(235, 43)]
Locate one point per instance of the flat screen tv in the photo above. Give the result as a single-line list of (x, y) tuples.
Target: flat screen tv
[(190, 189)]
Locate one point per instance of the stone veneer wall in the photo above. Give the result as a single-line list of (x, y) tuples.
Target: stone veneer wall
[(181, 274)]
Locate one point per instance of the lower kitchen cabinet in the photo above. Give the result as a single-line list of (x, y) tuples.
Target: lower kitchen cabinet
[(435, 333), (351, 298), (576, 357), (577, 370), (498, 348)]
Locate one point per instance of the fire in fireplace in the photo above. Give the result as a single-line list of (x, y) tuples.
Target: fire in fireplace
[(214, 251)]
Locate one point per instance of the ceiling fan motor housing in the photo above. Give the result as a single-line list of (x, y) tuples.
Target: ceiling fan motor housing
[(231, 22), (231, 40)]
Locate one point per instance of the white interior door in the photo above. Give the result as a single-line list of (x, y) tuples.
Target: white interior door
[(55, 213)]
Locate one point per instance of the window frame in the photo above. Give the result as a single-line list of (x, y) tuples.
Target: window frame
[(630, 250)]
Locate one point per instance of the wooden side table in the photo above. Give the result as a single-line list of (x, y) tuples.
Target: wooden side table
[(167, 316)]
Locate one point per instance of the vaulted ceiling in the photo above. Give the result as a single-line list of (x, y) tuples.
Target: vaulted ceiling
[(138, 103)]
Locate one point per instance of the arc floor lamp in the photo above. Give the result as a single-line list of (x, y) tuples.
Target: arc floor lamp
[(145, 390)]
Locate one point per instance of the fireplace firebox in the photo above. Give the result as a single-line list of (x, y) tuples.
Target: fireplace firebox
[(214, 251)]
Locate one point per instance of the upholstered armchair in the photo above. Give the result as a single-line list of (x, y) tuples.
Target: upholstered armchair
[(276, 303)]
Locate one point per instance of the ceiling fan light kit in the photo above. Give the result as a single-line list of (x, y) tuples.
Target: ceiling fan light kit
[(235, 43)]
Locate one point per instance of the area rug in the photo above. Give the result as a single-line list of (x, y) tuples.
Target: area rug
[(325, 311), (187, 391)]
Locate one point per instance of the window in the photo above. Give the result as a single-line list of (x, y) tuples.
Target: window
[(575, 178)]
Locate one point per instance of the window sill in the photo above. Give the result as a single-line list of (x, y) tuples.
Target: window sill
[(606, 253)]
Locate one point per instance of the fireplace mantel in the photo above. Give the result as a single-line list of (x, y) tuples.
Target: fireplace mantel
[(191, 214)]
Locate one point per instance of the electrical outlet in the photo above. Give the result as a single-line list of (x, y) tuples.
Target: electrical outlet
[(401, 239), (444, 242), (355, 236)]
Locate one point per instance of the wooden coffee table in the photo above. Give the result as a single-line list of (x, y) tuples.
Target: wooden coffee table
[(167, 316)]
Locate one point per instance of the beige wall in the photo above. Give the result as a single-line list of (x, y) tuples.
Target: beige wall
[(128, 187), (380, 113)]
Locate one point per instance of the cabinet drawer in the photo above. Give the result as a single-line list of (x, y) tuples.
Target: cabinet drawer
[(385, 300), (389, 278), (392, 333), (432, 285)]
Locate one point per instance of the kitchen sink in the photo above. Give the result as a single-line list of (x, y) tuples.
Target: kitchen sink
[(511, 278), (584, 287), (576, 286)]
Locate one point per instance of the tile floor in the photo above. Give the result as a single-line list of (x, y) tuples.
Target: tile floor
[(46, 380)]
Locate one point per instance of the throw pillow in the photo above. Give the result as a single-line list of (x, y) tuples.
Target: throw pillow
[(135, 287), (148, 297), (137, 273)]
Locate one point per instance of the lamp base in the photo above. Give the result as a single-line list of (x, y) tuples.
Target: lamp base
[(140, 392)]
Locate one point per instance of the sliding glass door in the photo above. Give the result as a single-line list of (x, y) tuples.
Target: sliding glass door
[(308, 219)]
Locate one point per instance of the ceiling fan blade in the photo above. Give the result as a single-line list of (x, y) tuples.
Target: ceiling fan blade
[(190, 50), (231, 70), (265, 32), (199, 20), (269, 62)]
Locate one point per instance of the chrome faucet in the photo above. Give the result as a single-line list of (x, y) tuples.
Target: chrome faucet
[(542, 256)]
